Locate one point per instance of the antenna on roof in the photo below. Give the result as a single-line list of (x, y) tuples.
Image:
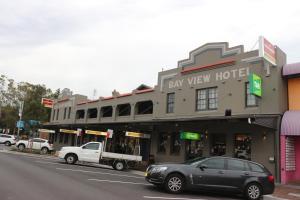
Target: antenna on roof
[(94, 94), (256, 43)]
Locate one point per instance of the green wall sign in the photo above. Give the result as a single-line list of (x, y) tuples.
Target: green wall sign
[(190, 136), (255, 85)]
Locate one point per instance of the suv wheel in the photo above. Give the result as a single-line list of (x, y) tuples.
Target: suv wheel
[(71, 159), (21, 147), (253, 191), (174, 183), (44, 150), (7, 143)]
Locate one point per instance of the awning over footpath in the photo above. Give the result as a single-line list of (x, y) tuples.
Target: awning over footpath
[(290, 124), (291, 69)]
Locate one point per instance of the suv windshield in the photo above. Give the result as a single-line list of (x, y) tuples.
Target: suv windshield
[(193, 161)]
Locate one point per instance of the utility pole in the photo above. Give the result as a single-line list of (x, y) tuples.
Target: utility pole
[(20, 115)]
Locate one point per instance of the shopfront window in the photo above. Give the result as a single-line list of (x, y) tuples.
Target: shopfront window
[(175, 143), (194, 149), (243, 146), (218, 147), (251, 100), (162, 142)]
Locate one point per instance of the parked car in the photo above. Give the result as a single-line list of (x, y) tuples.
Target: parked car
[(36, 144), (7, 139), (93, 152), (214, 173)]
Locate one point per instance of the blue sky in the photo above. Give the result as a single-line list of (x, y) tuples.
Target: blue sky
[(119, 44)]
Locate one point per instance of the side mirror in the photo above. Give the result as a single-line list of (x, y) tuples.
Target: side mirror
[(202, 167), (84, 147)]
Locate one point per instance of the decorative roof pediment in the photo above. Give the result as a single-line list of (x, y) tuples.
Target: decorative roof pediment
[(222, 46)]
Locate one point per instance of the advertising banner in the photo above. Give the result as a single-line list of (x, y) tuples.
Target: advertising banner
[(48, 103), (190, 136), (267, 50), (255, 82)]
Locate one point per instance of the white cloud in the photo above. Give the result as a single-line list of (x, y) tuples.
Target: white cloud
[(120, 44)]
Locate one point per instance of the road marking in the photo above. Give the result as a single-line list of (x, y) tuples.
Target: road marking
[(51, 163), (122, 182), (273, 197), (93, 172), (172, 198), (294, 194)]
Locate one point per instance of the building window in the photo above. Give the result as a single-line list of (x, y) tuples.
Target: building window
[(92, 113), (57, 114), (80, 114), (53, 116), (175, 143), (207, 99), (69, 113), (106, 111), (251, 100), (170, 102), (123, 109), (65, 112), (162, 142)]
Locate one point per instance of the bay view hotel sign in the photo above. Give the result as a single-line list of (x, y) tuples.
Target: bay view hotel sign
[(209, 76), (227, 64)]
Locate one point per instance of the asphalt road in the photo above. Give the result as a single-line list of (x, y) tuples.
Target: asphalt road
[(35, 177)]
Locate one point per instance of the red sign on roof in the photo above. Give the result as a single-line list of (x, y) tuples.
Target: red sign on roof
[(48, 103)]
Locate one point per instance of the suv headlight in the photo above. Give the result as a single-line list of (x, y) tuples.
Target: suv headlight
[(158, 169)]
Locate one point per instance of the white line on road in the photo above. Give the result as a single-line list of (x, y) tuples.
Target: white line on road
[(123, 182), (51, 163), (294, 194), (273, 197), (93, 172), (172, 198)]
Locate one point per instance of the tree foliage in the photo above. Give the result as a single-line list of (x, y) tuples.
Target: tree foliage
[(12, 93)]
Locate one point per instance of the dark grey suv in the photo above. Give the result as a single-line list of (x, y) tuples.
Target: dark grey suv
[(214, 173)]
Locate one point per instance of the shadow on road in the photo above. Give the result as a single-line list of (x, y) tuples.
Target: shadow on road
[(196, 194)]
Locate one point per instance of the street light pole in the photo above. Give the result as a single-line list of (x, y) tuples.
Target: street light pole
[(20, 115)]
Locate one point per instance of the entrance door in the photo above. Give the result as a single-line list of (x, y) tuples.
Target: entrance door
[(218, 145)]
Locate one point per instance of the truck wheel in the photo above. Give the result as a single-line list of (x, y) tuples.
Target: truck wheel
[(21, 147), (71, 159), (119, 165), (7, 143), (44, 150)]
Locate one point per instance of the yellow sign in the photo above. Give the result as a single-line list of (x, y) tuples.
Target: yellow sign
[(68, 131), (91, 132), (137, 135)]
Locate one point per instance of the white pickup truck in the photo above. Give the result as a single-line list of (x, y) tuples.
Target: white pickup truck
[(92, 152)]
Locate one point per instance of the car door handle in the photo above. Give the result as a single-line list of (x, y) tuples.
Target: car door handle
[(97, 152), (246, 173), (221, 172)]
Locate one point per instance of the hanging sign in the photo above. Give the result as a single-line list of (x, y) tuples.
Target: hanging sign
[(190, 136), (48, 103), (255, 82), (91, 132), (46, 131), (67, 131), (137, 135)]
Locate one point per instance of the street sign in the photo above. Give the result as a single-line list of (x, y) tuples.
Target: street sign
[(255, 82), (20, 124), (190, 136), (110, 133)]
